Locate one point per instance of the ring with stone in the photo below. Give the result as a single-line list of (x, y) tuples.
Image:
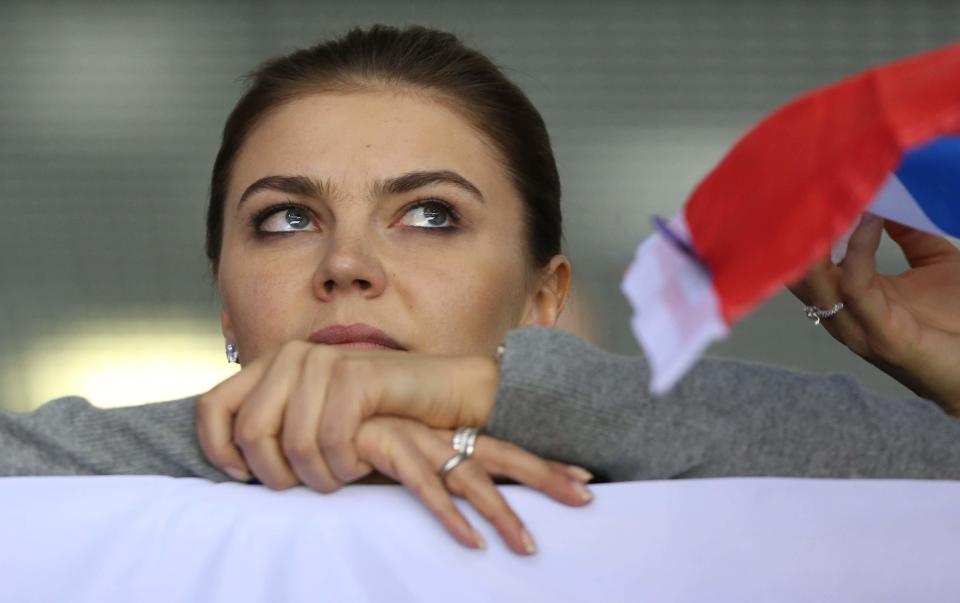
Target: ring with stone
[(465, 440), (815, 314)]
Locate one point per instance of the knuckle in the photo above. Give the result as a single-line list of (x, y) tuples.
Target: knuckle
[(208, 406), (247, 435), (298, 449), (331, 437), (205, 401), (456, 486), (472, 480), (499, 457)]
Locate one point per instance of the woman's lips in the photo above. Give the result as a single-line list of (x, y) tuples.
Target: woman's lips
[(362, 345), (358, 336)]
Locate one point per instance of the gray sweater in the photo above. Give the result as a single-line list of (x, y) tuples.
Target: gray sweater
[(566, 400)]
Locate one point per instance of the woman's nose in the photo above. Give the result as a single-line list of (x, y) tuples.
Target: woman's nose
[(349, 266)]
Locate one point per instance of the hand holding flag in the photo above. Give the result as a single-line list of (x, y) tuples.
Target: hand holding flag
[(908, 325), (885, 141)]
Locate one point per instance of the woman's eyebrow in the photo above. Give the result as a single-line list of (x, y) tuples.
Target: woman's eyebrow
[(303, 186), (414, 180), (306, 186)]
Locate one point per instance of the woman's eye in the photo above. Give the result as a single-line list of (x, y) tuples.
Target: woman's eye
[(289, 219), (430, 214)]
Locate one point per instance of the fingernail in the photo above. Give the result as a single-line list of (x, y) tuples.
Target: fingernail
[(868, 218), (478, 539), (528, 544), (579, 473), (581, 490), (238, 474)]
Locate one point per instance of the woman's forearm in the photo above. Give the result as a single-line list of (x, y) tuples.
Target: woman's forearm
[(563, 398), (68, 436)]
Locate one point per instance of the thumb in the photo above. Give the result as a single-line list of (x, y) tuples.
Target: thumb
[(920, 248)]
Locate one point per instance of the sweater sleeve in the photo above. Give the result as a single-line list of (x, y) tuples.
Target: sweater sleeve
[(69, 436), (567, 400), (564, 399)]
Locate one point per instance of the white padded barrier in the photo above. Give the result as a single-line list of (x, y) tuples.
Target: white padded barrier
[(97, 539)]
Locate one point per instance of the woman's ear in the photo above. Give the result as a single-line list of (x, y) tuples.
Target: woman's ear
[(549, 297)]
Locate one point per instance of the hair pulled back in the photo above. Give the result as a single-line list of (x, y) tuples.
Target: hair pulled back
[(423, 60)]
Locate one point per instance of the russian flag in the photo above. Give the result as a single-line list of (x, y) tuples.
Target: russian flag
[(885, 141)]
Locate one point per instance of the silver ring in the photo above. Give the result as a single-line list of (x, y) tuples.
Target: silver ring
[(451, 464), (465, 440), (815, 314)]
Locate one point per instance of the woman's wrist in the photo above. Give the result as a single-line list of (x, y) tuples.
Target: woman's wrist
[(483, 380)]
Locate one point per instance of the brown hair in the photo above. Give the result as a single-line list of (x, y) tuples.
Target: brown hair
[(425, 60)]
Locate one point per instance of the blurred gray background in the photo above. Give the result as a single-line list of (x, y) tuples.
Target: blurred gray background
[(110, 115)]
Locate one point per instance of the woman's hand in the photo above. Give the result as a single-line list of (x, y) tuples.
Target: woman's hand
[(412, 453), (908, 324), (306, 402), (304, 415)]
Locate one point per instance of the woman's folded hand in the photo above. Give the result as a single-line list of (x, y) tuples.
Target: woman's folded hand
[(908, 324), (324, 416), (412, 453)]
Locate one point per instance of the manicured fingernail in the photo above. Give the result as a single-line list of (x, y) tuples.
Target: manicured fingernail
[(579, 473), (528, 544), (478, 539), (238, 474), (581, 490)]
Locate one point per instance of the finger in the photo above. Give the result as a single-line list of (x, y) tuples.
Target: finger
[(920, 248), (469, 480), (353, 381), (819, 283), (259, 421), (215, 412), (858, 278), (859, 267), (301, 423), (394, 454), (820, 287), (558, 481)]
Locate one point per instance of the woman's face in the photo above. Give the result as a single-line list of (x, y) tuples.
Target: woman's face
[(380, 209)]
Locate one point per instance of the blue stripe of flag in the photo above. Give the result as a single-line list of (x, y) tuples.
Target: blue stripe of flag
[(931, 173)]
